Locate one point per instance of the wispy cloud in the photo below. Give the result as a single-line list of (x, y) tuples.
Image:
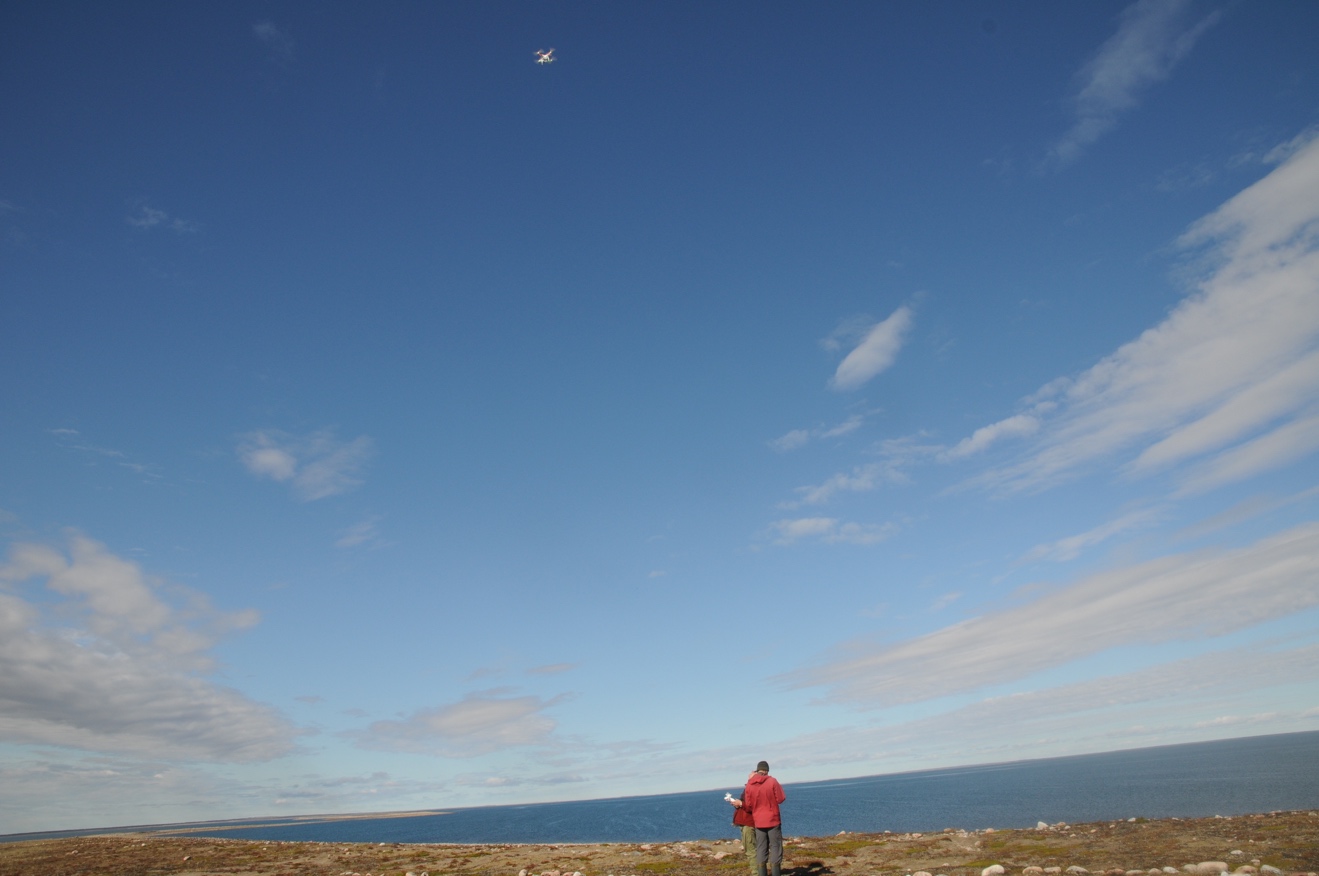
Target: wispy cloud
[(876, 351), (1152, 37), (982, 438), (830, 530), (478, 724), (316, 465), (1163, 703), (364, 534), (1182, 596), (149, 217), (279, 45), (1230, 378), (484, 780), (896, 457), (798, 438), (102, 661), (1070, 548), (73, 440), (861, 479)]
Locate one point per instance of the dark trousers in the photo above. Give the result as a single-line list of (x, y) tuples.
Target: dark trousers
[(769, 847)]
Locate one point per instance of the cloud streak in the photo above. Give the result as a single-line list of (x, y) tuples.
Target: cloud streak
[(1179, 597), (1229, 380), (1153, 36), (1170, 702), (1070, 548)]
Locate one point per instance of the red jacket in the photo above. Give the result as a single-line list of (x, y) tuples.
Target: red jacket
[(763, 796)]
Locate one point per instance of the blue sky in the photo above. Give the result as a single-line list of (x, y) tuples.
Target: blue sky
[(392, 422)]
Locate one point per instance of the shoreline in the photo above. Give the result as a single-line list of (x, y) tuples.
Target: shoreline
[(1266, 844)]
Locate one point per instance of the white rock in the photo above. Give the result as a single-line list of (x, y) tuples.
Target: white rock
[(1077, 871), (991, 870), (1236, 852), (922, 873), (1270, 870), (1032, 871), (1053, 871), (1041, 825), (1170, 869)]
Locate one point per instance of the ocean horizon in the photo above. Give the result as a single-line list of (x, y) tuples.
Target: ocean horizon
[(1189, 780)]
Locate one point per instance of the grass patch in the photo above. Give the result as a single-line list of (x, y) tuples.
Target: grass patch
[(833, 848), (1042, 849)]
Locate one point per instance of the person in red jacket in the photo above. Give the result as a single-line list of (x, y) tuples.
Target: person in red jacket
[(762, 796), (742, 821)]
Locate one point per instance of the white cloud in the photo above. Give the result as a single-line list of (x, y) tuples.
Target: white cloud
[(1166, 703), (897, 455), (877, 351), (831, 531), (104, 662), (317, 465), (1183, 596), (791, 440), (1286, 444), (1021, 424), (1070, 548), (790, 531), (1236, 361), (1152, 37), (478, 724)]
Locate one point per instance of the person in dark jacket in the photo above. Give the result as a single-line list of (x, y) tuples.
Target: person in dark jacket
[(762, 796)]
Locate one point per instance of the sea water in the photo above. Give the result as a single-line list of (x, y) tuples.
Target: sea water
[(1226, 777)]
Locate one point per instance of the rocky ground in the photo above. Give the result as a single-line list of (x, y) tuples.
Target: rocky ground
[(1278, 842)]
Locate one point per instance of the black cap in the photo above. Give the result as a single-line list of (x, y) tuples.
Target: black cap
[(762, 767)]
